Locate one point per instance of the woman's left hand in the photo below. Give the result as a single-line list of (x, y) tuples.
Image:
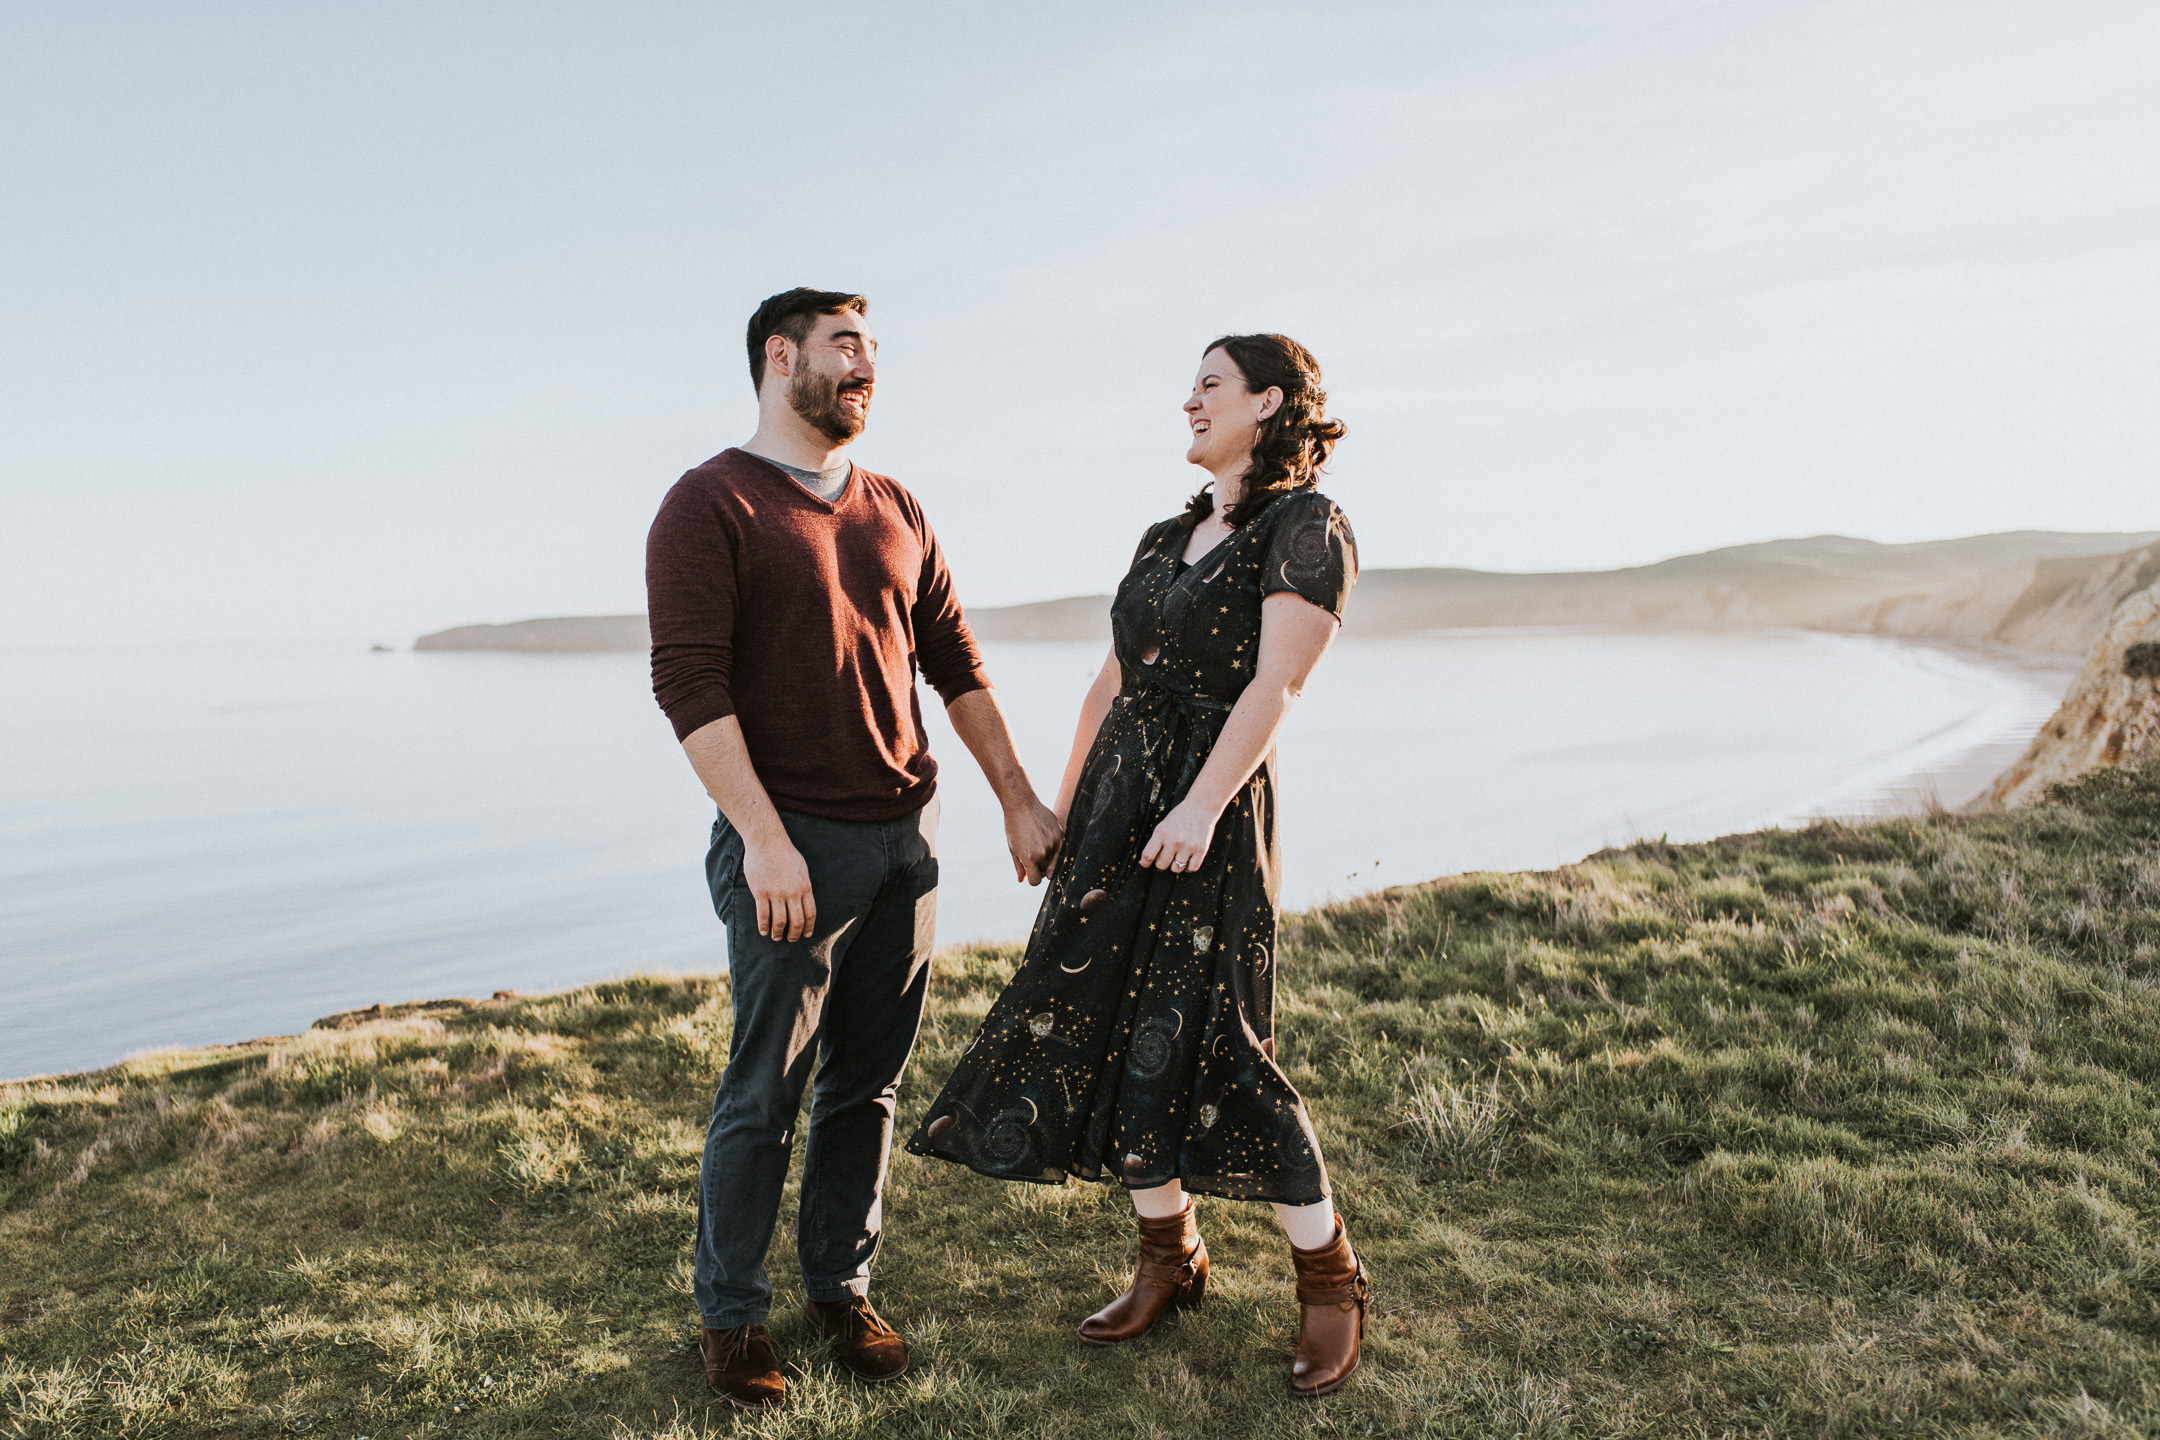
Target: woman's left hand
[(1181, 841)]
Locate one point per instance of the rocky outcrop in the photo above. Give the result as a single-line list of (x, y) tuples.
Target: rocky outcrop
[(2111, 715)]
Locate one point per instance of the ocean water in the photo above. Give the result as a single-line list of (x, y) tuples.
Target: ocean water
[(206, 843)]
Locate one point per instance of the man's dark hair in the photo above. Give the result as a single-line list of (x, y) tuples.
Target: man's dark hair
[(790, 314)]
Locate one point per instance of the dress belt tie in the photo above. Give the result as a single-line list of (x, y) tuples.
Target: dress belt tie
[(1163, 695)]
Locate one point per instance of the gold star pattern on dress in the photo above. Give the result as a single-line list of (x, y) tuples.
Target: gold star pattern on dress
[(1143, 989)]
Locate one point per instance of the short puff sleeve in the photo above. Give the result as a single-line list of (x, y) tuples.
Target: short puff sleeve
[(1311, 552), (1153, 537)]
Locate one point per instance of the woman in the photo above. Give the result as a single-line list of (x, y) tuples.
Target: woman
[(1136, 1040)]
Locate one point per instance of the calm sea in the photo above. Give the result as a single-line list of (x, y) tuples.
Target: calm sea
[(206, 843)]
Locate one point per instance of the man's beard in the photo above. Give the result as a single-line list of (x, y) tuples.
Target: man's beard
[(816, 397)]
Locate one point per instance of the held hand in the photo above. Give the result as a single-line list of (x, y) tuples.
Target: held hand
[(1033, 833), (780, 882), (1181, 842)]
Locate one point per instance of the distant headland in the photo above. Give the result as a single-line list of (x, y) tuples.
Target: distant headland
[(564, 633), (2039, 590)]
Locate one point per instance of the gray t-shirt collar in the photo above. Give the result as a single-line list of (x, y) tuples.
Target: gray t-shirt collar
[(827, 485)]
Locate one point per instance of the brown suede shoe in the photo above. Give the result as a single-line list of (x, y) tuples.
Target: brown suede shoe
[(870, 1349), (1172, 1273), (1333, 1294), (741, 1367)]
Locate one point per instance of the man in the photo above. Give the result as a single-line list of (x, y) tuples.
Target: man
[(792, 597)]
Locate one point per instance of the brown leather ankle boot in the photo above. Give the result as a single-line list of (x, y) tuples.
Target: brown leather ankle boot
[(1333, 1294), (1172, 1272)]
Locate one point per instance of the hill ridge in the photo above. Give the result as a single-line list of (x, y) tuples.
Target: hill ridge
[(2006, 587)]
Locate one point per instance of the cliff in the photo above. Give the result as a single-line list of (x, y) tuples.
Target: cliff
[(2111, 715), (2052, 604)]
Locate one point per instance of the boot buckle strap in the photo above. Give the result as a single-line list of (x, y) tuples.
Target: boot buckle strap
[(1356, 1291), (1179, 1274)]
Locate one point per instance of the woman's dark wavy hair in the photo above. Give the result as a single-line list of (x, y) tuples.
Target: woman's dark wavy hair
[(1294, 443)]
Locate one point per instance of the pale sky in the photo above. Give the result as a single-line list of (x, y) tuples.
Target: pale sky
[(369, 319)]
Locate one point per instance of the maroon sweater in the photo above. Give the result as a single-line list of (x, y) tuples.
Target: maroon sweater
[(806, 621)]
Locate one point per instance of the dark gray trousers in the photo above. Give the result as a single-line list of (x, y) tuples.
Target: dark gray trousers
[(847, 999)]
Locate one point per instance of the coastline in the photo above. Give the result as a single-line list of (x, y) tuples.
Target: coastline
[(426, 866), (1960, 781)]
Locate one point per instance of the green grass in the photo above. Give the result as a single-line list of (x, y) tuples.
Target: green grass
[(1849, 1130)]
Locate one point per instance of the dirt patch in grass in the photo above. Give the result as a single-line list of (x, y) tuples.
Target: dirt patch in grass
[(1839, 1131)]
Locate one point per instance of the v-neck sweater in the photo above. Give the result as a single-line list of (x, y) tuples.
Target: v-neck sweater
[(807, 620)]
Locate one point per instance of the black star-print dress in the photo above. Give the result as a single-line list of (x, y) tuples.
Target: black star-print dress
[(1136, 1040)]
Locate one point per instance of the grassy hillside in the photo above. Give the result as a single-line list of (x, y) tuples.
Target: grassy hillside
[(1848, 1130)]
